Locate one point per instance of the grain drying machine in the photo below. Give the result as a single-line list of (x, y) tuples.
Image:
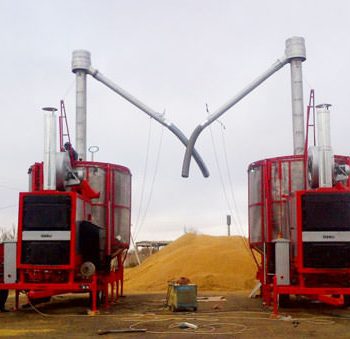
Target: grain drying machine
[(299, 205), (74, 223), (299, 222), (73, 227)]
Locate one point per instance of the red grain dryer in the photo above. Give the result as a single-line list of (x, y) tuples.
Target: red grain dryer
[(74, 223), (299, 205), (299, 222), (72, 239)]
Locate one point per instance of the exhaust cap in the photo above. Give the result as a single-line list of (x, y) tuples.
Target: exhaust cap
[(81, 60), (295, 48)]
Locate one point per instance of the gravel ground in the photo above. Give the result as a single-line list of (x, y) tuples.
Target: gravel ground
[(226, 315)]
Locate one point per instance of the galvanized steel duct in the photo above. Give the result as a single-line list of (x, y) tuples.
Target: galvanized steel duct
[(296, 54), (295, 51), (152, 113), (50, 134), (81, 62), (81, 65), (324, 147)]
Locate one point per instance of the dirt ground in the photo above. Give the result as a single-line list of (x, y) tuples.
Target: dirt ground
[(226, 315)]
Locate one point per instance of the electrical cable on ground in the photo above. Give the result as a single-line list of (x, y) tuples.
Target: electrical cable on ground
[(209, 323)]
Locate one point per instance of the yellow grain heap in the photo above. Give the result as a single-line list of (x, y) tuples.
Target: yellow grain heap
[(213, 263)]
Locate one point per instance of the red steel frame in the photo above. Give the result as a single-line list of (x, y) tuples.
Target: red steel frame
[(320, 293), (270, 289), (109, 283), (109, 204), (1, 260), (118, 250)]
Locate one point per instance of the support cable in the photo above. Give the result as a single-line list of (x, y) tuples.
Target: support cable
[(234, 201), (145, 171), (233, 211), (152, 183)]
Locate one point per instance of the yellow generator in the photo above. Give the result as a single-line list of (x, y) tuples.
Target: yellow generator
[(182, 297)]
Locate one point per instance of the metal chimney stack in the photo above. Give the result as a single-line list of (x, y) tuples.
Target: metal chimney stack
[(324, 148), (81, 62), (296, 54), (50, 148)]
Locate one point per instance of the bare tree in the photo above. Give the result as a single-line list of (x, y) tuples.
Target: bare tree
[(8, 234), (191, 230)]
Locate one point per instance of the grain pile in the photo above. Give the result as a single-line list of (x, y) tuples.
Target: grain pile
[(213, 263)]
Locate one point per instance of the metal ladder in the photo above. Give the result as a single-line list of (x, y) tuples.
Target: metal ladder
[(63, 126)]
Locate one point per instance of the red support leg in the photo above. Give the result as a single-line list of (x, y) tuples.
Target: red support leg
[(112, 291), (122, 283), (120, 275), (94, 294), (275, 297), (106, 296), (17, 300)]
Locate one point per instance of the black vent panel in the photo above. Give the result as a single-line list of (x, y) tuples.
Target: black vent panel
[(46, 212), (326, 212), (326, 254), (45, 252)]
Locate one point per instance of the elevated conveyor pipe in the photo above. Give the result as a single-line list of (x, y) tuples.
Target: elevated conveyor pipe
[(295, 51), (81, 63)]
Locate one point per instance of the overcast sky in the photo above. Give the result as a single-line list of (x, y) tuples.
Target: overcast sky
[(175, 56)]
